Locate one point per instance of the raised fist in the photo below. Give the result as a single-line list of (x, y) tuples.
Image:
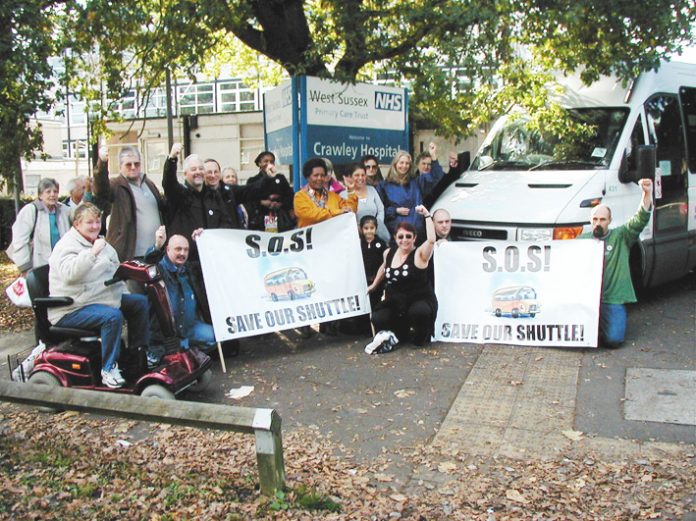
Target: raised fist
[(176, 150)]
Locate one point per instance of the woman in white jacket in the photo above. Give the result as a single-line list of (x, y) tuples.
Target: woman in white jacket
[(78, 267), (38, 227)]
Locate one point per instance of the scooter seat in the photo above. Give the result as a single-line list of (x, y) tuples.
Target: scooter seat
[(67, 333)]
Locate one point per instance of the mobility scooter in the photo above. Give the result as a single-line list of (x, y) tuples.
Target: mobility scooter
[(73, 356)]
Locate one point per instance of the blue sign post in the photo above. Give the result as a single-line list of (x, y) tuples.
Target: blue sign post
[(311, 117)]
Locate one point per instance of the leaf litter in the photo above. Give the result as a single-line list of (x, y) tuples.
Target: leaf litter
[(67, 466)]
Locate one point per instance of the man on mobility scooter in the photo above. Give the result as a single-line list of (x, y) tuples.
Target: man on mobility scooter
[(87, 301)]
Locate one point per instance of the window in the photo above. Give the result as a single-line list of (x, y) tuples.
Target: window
[(666, 131), (196, 98), (688, 100), (234, 96)]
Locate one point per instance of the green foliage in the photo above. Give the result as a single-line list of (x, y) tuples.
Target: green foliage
[(31, 34), (300, 497), (465, 61)]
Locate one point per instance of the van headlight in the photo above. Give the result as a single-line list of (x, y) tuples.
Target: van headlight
[(535, 234)]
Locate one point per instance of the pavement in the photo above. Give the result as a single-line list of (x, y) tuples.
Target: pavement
[(497, 400)]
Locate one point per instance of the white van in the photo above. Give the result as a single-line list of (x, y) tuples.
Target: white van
[(527, 186)]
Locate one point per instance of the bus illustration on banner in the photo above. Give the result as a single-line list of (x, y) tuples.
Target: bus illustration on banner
[(515, 301), (288, 284)]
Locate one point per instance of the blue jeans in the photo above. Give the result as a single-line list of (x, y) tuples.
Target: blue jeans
[(612, 324), (109, 322), (201, 335)]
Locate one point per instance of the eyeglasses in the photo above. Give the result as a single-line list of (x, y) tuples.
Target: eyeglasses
[(131, 165), (405, 236), (370, 167)]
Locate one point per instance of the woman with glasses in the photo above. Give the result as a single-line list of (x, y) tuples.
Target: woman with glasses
[(404, 189), (374, 174), (369, 202), (409, 306)]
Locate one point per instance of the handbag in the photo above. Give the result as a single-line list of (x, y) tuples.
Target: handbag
[(18, 293)]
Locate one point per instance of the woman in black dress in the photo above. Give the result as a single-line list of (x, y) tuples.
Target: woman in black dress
[(409, 306)]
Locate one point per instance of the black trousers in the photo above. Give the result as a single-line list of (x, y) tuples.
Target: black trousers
[(418, 316)]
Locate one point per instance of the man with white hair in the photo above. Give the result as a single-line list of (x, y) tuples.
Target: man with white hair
[(76, 191), (191, 205), (134, 202)]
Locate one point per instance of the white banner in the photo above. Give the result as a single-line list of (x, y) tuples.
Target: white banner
[(261, 282), (540, 294)]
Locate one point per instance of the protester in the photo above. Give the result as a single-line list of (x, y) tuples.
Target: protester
[(78, 267), (617, 288), (457, 164), (332, 184), (38, 227), (134, 202), (369, 202), (409, 300), (230, 176), (314, 203), (424, 163), (192, 205), (371, 163), (373, 249), (187, 297), (264, 159), (404, 189), (443, 224), (271, 208), (233, 195), (76, 187)]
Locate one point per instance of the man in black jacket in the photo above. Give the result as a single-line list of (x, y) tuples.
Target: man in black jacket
[(192, 205)]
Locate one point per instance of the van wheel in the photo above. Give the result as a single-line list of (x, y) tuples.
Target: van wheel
[(515, 313), (532, 315), (497, 313), (274, 297), (292, 295), (203, 383), (157, 391), (44, 378)]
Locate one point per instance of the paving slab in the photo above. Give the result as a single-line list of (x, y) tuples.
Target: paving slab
[(661, 395)]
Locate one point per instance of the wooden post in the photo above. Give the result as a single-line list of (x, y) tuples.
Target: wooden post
[(269, 451), (222, 358), (264, 423)]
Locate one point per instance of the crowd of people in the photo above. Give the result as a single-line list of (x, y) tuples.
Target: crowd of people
[(397, 231), (162, 227)]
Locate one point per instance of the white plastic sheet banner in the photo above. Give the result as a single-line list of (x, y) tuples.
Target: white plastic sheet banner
[(535, 294), (260, 282)]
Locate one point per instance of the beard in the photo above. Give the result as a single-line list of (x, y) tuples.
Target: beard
[(598, 232)]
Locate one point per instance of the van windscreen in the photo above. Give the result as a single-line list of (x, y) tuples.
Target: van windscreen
[(515, 144)]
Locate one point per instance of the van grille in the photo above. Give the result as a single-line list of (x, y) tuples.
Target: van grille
[(476, 234)]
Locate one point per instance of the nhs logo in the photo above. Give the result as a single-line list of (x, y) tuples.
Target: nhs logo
[(389, 101)]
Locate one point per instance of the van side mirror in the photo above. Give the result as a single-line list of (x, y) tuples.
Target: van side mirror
[(646, 155)]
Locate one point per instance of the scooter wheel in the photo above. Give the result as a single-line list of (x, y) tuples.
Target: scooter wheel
[(44, 378), (157, 391), (203, 382)]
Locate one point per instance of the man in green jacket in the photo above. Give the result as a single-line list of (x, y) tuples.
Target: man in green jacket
[(617, 288)]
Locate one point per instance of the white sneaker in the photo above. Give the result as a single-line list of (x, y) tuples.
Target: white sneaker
[(383, 342), (113, 378)]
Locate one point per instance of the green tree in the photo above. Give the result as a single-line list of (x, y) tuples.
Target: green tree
[(502, 50), (31, 36)]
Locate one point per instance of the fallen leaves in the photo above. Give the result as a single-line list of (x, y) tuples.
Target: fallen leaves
[(573, 435), (516, 496)]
